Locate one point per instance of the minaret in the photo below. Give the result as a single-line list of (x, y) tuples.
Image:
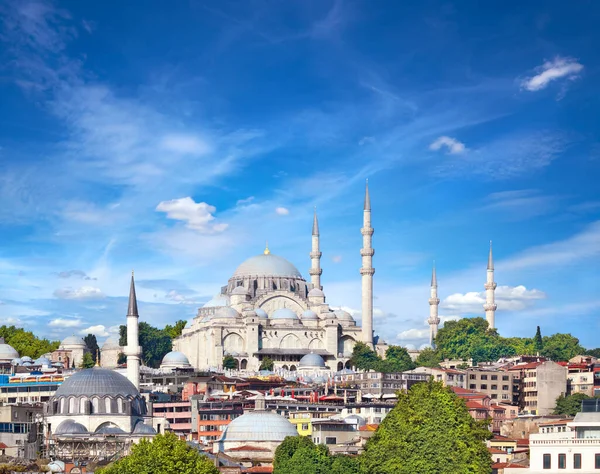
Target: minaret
[(490, 287), (133, 350), (434, 302), (367, 272), (315, 256)]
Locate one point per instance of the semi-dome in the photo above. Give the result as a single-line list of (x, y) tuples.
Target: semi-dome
[(226, 312), (70, 427), (239, 290), (73, 341), (143, 428), (7, 352), (261, 313), (175, 359), (267, 265), (111, 343), (259, 425), (311, 360), (343, 315), (309, 314), (96, 381), (316, 292), (109, 428), (218, 300), (284, 313)]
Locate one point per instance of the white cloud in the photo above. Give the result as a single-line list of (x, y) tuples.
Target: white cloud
[(282, 211), (551, 71), (83, 293), (452, 145), (244, 202), (413, 335), (185, 144), (98, 330), (177, 297), (197, 216), (508, 298), (65, 323), (336, 258)]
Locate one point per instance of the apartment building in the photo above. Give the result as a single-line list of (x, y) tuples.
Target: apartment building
[(209, 419), (178, 414), (449, 377), (18, 430), (540, 384), (378, 383), (499, 385)]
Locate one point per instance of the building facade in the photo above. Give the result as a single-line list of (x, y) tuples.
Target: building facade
[(541, 383), (499, 385)]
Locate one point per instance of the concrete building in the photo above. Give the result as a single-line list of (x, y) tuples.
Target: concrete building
[(499, 385), (541, 383), (449, 377), (337, 435), (178, 415), (28, 388), (378, 383), (18, 430), (210, 419)]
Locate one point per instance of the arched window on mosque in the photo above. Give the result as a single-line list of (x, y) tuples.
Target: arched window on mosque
[(107, 405), (95, 405), (120, 405)]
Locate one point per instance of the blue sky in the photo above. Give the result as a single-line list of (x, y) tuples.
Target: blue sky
[(174, 138)]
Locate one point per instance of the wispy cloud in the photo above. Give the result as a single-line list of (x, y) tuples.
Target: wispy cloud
[(197, 216), (65, 323), (282, 211), (82, 293), (507, 298), (452, 145), (553, 70), (520, 204), (75, 273)]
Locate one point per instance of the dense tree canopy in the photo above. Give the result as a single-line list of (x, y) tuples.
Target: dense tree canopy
[(593, 352), (538, 342), (87, 362), (569, 405), (396, 359), (229, 362), (155, 343), (165, 454), (428, 358), (299, 455), (429, 431), (26, 343), (266, 364), (175, 331), (92, 345), (561, 347)]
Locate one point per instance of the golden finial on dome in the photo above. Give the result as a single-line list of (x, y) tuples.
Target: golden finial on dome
[(267, 251)]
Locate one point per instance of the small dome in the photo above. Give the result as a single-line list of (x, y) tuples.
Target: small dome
[(284, 313), (17, 361), (316, 292), (96, 382), (70, 427), (310, 314), (425, 346), (343, 315), (56, 466), (26, 359), (175, 359), (267, 265), (73, 341), (109, 428), (27, 363), (312, 360), (143, 428), (239, 290), (111, 343), (43, 361), (226, 312), (259, 425), (345, 372), (218, 300), (319, 379), (261, 313), (7, 352)]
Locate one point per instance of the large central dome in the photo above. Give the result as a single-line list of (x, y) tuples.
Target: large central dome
[(267, 265), (96, 382)]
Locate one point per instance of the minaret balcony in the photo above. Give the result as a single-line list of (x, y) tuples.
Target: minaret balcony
[(315, 271), (367, 252), (490, 286), (490, 306), (367, 231), (433, 301), (367, 271), (316, 254)]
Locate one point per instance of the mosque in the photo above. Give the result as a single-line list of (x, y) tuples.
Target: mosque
[(267, 309)]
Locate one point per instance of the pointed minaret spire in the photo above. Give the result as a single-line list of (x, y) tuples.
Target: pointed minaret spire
[(434, 302), (367, 271), (133, 349), (315, 256), (490, 288)]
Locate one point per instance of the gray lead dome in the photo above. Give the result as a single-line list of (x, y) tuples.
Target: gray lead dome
[(100, 382), (267, 265)]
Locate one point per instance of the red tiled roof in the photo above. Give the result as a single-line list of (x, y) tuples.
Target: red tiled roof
[(556, 422), (247, 447), (368, 427), (3, 446), (476, 405), (502, 465), (496, 451), (523, 442), (259, 470), (531, 365), (498, 437)]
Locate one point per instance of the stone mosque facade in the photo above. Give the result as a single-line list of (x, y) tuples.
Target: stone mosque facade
[(267, 309)]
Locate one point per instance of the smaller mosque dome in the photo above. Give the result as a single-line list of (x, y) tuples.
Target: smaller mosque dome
[(319, 379), (17, 361), (309, 314), (7, 352), (43, 361), (109, 429), (175, 359), (261, 313), (343, 315), (73, 341), (70, 427), (254, 426), (111, 343), (143, 428), (316, 292), (26, 359), (99, 382), (239, 290), (218, 300), (284, 313), (226, 312), (311, 360)]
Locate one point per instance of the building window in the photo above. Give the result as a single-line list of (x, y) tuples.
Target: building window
[(472, 386), (548, 463), (484, 377), (330, 440), (494, 377), (304, 426), (504, 387), (494, 387), (597, 461), (483, 387), (577, 461), (505, 377), (473, 377), (562, 461)]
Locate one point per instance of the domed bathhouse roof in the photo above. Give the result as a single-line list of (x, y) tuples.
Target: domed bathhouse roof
[(309, 314), (284, 313), (268, 265), (425, 346), (319, 379), (312, 360), (259, 425), (261, 313), (109, 429), (90, 382), (43, 361), (73, 341), (26, 359), (143, 428), (17, 361), (175, 359), (111, 343), (7, 352), (70, 427)]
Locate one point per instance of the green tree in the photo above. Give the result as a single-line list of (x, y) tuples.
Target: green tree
[(155, 343), (92, 345), (175, 331), (345, 465), (122, 358), (266, 364), (538, 342), (363, 357), (299, 455), (569, 405), (429, 431), (26, 343), (428, 358), (396, 360), (87, 362), (593, 352), (165, 454), (561, 347), (230, 362)]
